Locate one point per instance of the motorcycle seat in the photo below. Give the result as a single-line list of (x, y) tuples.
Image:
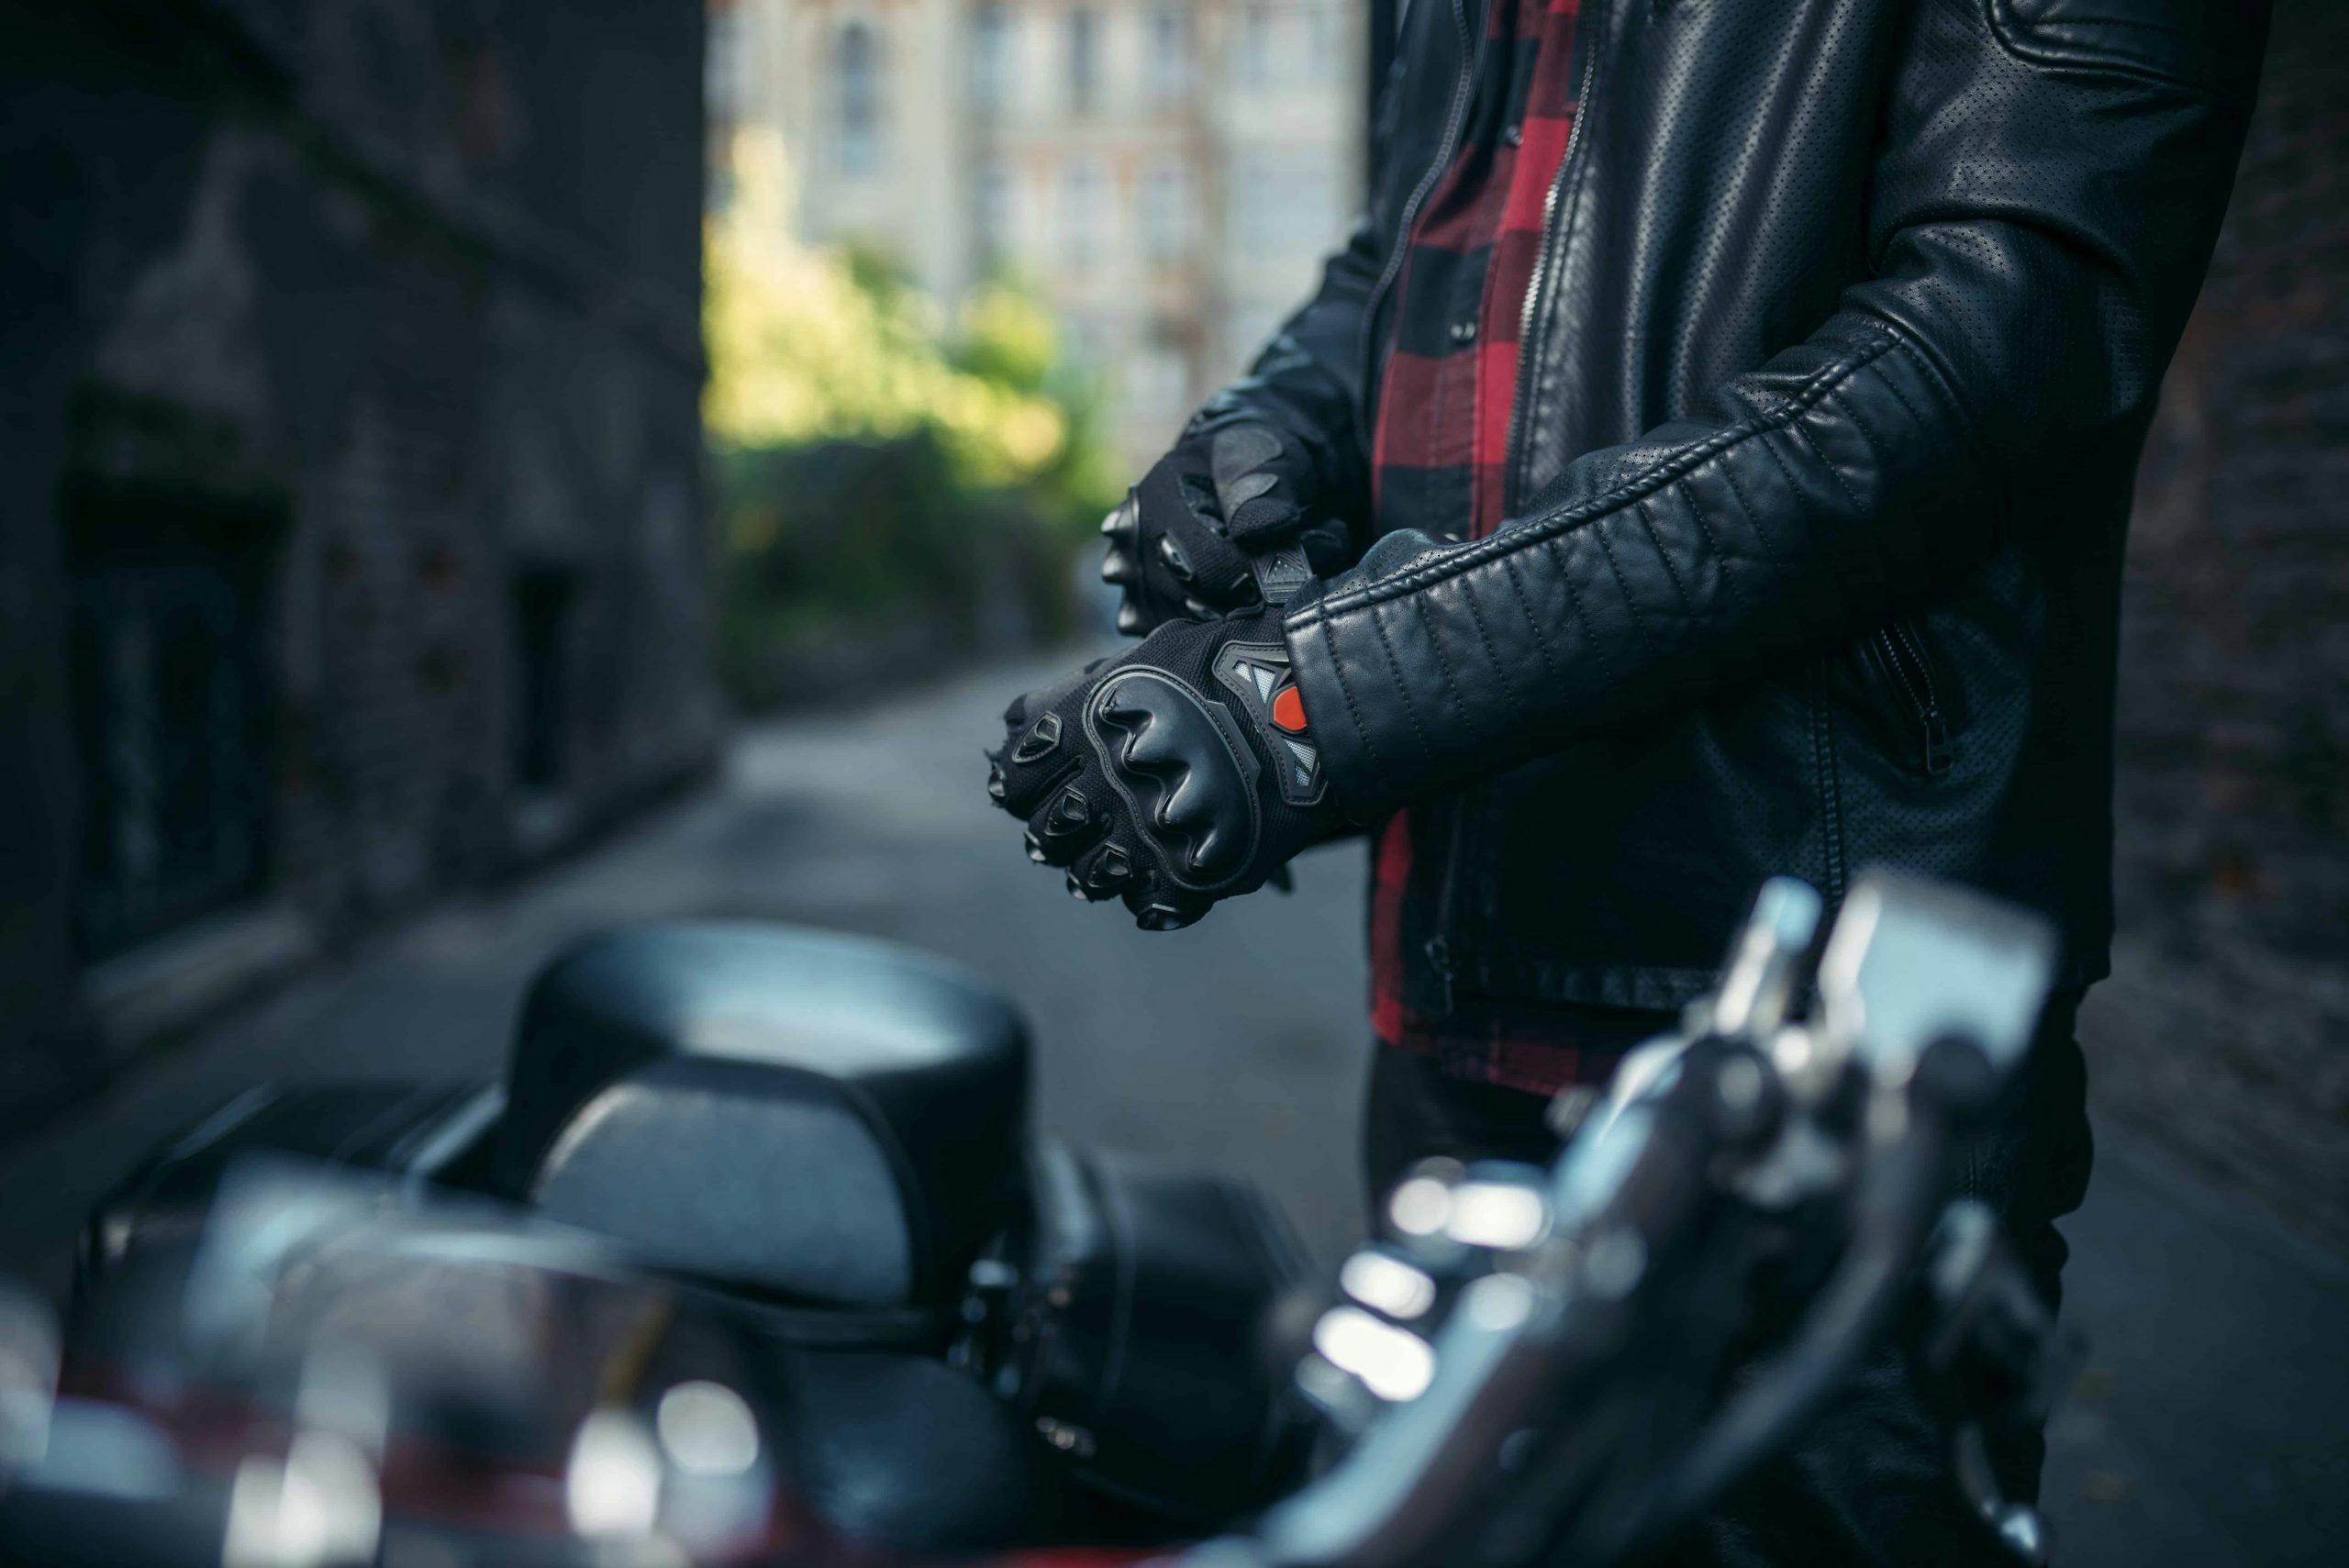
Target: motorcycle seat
[(815, 1118)]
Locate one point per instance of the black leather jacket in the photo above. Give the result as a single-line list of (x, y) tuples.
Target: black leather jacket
[(1848, 322)]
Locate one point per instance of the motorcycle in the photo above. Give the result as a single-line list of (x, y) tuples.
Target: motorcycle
[(751, 1257)]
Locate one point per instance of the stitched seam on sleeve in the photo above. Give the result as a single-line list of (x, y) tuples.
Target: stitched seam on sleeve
[(1443, 665), (1500, 673), (1517, 585), (1858, 510), (1679, 589), (1566, 581), (1875, 449), (1688, 499), (1875, 444), (1893, 386), (1794, 486), (1353, 712), (1630, 603), (1402, 687), (1525, 534), (1752, 518)]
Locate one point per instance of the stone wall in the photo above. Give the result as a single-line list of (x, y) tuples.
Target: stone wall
[(350, 456)]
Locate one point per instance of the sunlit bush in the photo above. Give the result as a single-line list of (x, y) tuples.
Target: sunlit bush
[(884, 474)]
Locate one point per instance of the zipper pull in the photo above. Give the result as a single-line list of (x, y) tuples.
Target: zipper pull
[(1938, 756), (1440, 955)]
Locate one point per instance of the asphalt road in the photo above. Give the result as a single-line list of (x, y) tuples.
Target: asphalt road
[(2212, 1427)]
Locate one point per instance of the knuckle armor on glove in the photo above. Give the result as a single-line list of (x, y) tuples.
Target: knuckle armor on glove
[(1178, 775)]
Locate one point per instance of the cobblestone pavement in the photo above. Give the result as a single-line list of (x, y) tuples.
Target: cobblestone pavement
[(2208, 1429)]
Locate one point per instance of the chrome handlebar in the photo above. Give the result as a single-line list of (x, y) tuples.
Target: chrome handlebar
[(1535, 1366)]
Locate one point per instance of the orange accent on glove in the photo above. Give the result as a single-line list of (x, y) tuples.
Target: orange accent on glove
[(1289, 710)]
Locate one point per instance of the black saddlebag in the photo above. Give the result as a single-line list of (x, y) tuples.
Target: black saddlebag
[(1134, 1334), (824, 1120)]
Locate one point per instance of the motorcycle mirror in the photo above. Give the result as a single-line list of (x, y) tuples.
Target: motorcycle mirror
[(1910, 963)]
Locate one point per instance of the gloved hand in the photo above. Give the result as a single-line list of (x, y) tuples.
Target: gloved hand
[(1222, 522), (1175, 775)]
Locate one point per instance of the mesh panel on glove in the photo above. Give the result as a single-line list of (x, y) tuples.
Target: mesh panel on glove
[(1224, 521)]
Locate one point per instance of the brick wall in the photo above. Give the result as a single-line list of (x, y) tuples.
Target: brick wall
[(2227, 1026), (394, 305), (2234, 720)]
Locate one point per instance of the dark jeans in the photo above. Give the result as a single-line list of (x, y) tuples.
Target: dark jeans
[(1869, 1482)]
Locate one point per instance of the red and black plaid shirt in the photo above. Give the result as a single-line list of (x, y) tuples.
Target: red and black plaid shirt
[(1436, 464)]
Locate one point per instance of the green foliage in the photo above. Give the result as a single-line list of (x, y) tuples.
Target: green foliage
[(883, 476)]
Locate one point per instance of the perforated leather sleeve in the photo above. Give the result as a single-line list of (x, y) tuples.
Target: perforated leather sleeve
[(2036, 234)]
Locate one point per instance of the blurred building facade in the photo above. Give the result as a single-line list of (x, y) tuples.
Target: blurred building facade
[(351, 467), (1168, 174)]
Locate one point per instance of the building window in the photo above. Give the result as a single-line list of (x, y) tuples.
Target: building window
[(1168, 62), (992, 40), (1084, 60), (1282, 207), (1158, 384), (1257, 45), (1325, 43), (997, 215), (1170, 210), (1088, 217), (171, 717), (858, 82)]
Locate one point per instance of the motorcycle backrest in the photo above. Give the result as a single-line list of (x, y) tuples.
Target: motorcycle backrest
[(832, 1119)]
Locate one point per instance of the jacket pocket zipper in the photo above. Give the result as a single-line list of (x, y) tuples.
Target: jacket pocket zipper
[(1902, 652)]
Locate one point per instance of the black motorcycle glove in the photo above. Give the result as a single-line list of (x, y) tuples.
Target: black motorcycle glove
[(1173, 775), (1222, 522)]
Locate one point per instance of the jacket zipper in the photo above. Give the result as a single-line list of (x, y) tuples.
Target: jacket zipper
[(1544, 259), (1439, 947), (1904, 655), (1471, 54)]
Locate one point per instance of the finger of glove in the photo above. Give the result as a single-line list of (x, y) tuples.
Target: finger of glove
[(1266, 521), (1204, 567), (1146, 600), (1118, 525), (1069, 821), (1022, 787), (1041, 748), (1156, 907), (1104, 871), (1122, 555), (1262, 483), (1184, 553)]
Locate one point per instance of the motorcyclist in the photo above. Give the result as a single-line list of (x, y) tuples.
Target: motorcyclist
[(1711, 456)]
